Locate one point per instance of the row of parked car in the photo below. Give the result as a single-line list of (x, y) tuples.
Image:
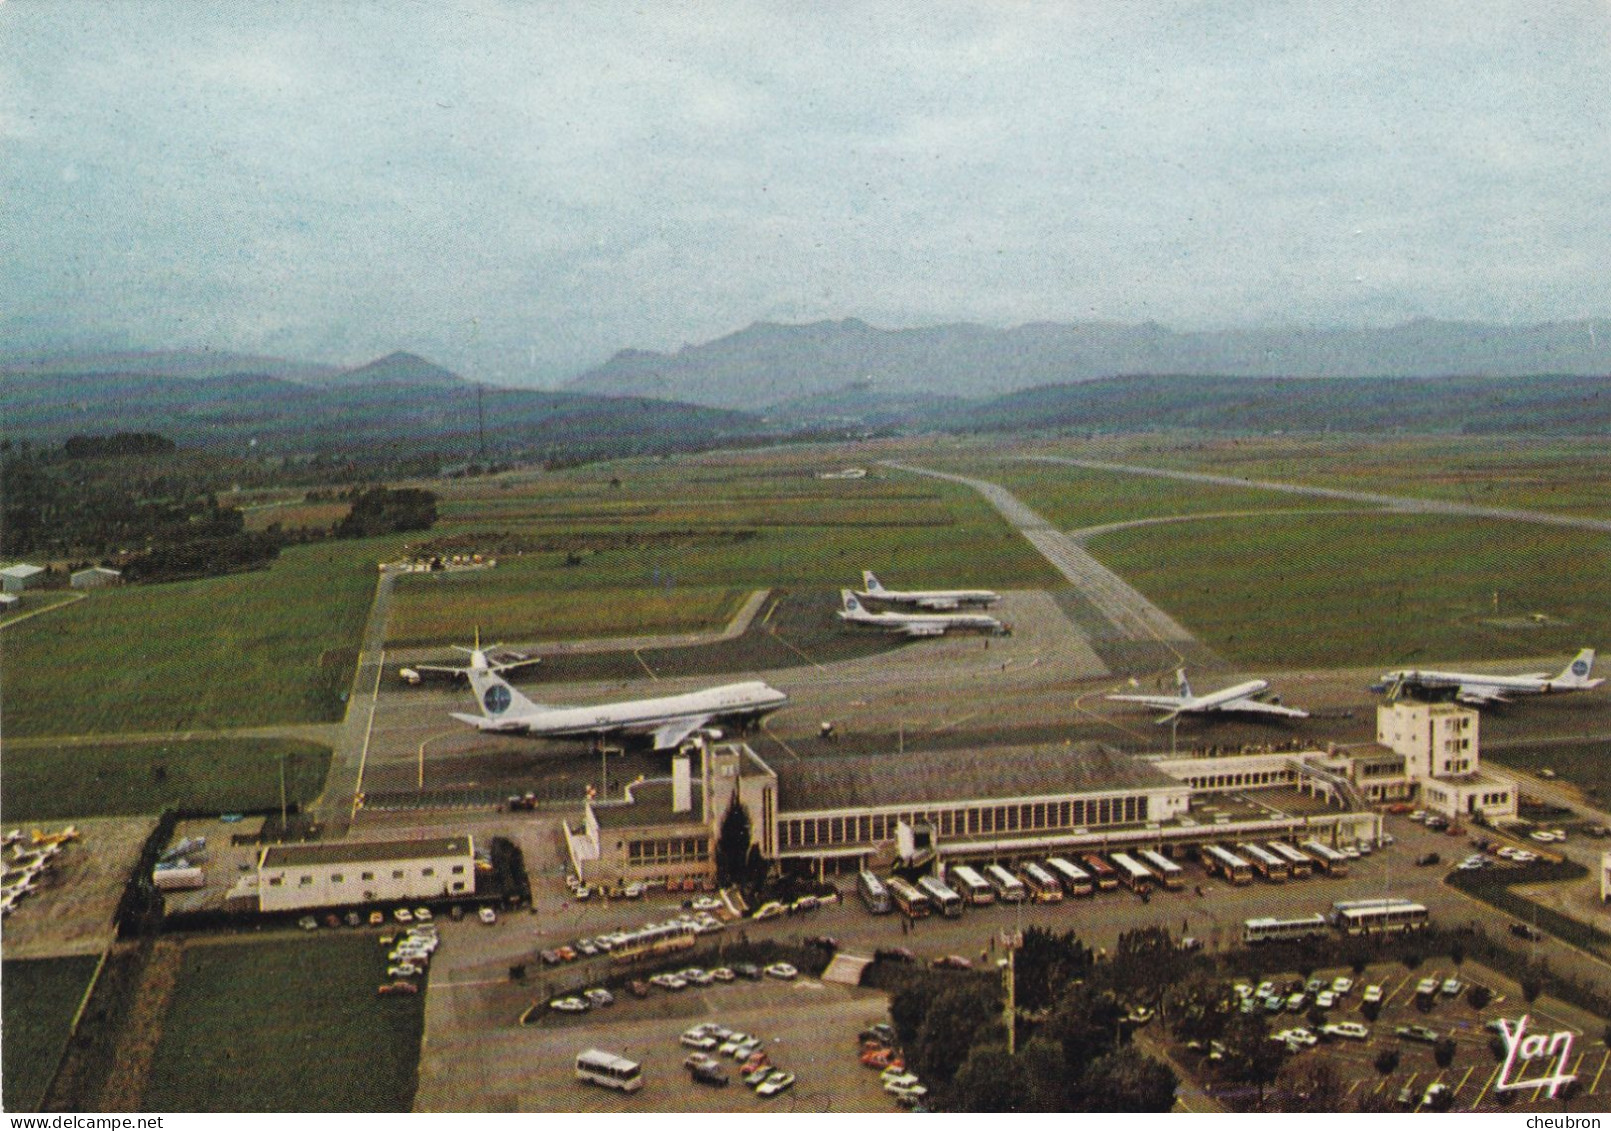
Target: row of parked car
[(700, 922), (1297, 995), (408, 958), (712, 1040), (877, 1049)]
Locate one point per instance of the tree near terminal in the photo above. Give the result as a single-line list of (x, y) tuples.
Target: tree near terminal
[(1198, 1008), (1250, 1056), (1128, 1080)]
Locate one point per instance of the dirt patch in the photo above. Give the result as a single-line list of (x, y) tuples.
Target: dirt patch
[(137, 1042)]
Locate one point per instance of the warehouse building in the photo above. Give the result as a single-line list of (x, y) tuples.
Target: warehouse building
[(20, 577), (301, 877), (94, 577)]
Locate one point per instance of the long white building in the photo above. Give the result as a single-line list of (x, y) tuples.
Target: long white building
[(298, 877)]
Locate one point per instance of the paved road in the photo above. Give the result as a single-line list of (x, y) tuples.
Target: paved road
[(1391, 502), (334, 806), (1132, 615)]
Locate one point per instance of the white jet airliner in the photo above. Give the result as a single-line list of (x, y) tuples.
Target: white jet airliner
[(874, 590), (667, 720), (1470, 687), (914, 624), (1233, 700), (487, 659)]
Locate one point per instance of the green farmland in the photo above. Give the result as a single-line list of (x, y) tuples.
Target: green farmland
[(292, 1024), (673, 552), (1370, 589), (38, 998), (271, 646), (43, 782)]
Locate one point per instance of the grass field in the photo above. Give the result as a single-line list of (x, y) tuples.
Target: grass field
[(677, 545), (38, 998), (1072, 497), (1370, 589), (112, 779), (1549, 474), (292, 1024), (1583, 764), (271, 646)]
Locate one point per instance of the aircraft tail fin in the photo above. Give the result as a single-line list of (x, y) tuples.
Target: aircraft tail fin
[(848, 599), (870, 582), (1577, 673), (1182, 683), (496, 698)]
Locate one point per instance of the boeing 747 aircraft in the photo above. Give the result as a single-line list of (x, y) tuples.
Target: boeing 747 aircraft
[(1239, 699), (914, 624), (1481, 690), (667, 720), (482, 659), (937, 599)]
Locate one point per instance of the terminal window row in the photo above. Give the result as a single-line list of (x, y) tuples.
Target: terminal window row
[(1252, 778), (673, 850), (871, 828), (307, 879)]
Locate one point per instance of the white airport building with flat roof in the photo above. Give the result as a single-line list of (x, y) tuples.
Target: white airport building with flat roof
[(303, 877)]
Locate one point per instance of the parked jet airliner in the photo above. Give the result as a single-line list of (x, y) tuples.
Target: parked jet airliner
[(1234, 700), (666, 720), (924, 598), (486, 659), (914, 624), (1484, 689)]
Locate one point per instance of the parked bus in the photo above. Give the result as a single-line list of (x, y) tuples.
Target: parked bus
[(913, 903), (873, 893), (1225, 863), (1298, 865), (1132, 873), (1378, 916), (1169, 874), (1329, 860), (1076, 880), (1009, 888), (941, 895), (1277, 930), (1267, 864), (1043, 886), (1102, 873), (972, 885), (608, 1070), (653, 942)]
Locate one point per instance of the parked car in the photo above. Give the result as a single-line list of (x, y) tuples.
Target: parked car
[(711, 1075), (775, 1084), (308, 923), (1417, 1033), (1351, 1029), (894, 954), (488, 916), (748, 970), (599, 997), (403, 915), (398, 988), (769, 911), (638, 988), (1523, 931), (723, 974), (952, 962), (1325, 999), (1342, 986), (693, 1039), (782, 970), (1372, 995), (569, 1005), (757, 1076)]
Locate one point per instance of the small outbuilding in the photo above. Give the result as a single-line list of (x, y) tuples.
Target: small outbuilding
[(16, 578), (94, 577)]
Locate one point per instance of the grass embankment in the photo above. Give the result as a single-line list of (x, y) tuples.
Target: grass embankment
[(270, 646), (112, 779), (1496, 887), (1356, 590), (38, 998), (669, 552), (288, 1025)]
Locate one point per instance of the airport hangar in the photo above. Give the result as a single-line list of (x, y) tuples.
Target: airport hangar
[(835, 815)]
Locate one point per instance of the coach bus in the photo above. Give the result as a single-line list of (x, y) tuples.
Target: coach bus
[(1102, 873), (1267, 864), (1169, 874), (1043, 886), (608, 1070), (873, 893), (1378, 916), (1223, 862), (972, 885), (1009, 888), (1298, 865), (912, 902), (1330, 861), (1132, 873), (654, 942), (1278, 930), (1076, 880), (941, 895)]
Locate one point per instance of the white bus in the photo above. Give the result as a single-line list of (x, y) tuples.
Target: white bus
[(653, 942), (941, 895), (608, 1070), (1298, 865), (1331, 862), (1132, 873), (1267, 864), (873, 893), (1043, 886), (1378, 916), (1170, 874), (972, 885), (1076, 880), (1009, 888), (912, 902), (1223, 862), (1275, 930)]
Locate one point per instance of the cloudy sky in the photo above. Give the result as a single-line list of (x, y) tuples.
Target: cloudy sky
[(517, 190)]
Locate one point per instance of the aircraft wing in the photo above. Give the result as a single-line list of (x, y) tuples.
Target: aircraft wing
[(668, 735), (940, 603), (1259, 707), (1478, 694), (497, 726), (924, 629), (501, 666), (1156, 702), (441, 671)]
